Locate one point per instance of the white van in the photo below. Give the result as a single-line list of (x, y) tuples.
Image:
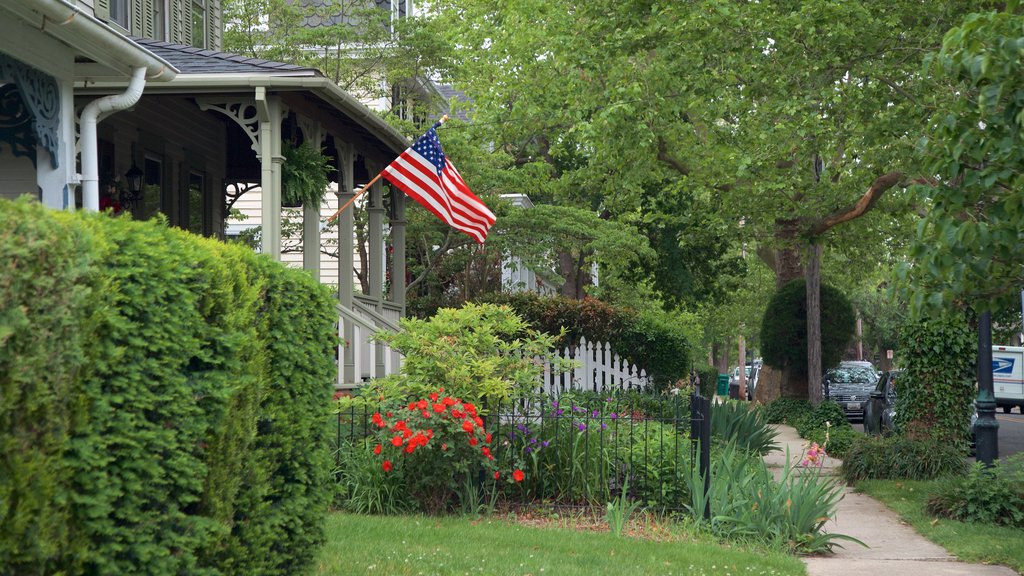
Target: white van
[(1008, 376)]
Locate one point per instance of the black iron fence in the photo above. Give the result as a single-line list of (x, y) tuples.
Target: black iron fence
[(587, 448)]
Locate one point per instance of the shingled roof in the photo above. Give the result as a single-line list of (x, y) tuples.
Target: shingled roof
[(191, 60)]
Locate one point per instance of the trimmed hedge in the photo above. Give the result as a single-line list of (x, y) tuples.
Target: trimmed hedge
[(648, 340), (896, 457), (161, 401)]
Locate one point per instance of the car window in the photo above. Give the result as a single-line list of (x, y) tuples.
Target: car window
[(851, 375)]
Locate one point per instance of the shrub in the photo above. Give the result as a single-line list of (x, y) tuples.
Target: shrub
[(934, 395), (825, 413), (786, 411), (479, 353), (656, 342), (743, 425), (708, 380), (784, 327), (745, 501), (900, 458), (836, 441), (163, 410), (985, 495), (363, 486)]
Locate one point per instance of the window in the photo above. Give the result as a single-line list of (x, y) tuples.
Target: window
[(160, 20), (199, 23), (194, 218), (119, 13), (152, 187)]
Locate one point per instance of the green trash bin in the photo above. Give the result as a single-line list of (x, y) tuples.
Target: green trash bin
[(723, 385)]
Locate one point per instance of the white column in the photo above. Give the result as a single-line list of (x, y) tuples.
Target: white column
[(346, 182), (375, 234), (311, 219), (269, 108), (398, 257)]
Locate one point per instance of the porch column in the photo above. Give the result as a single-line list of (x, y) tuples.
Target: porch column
[(311, 214), (398, 243), (346, 184), (269, 109), (375, 235)]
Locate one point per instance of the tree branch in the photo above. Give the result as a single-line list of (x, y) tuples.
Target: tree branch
[(670, 160), (858, 209)]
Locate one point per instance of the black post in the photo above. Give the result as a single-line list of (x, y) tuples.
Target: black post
[(986, 429), (700, 431)]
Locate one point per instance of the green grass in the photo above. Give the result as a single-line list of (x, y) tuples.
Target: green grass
[(397, 545), (984, 543)]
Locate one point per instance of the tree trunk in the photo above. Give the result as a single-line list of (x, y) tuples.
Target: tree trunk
[(743, 367), (814, 369)]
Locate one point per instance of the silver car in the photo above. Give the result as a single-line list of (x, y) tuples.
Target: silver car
[(850, 385)]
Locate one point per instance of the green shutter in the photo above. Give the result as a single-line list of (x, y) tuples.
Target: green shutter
[(149, 18), (186, 22), (137, 17), (177, 31), (214, 25), (102, 9)]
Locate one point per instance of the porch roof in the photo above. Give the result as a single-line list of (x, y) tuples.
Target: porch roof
[(305, 89)]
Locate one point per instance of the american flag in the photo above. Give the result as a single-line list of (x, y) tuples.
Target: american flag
[(425, 173)]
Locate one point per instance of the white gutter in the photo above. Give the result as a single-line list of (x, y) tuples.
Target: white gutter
[(90, 117), (65, 20)]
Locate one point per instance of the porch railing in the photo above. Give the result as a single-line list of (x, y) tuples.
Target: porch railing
[(360, 357)]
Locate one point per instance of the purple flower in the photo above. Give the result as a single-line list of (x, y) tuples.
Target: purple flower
[(533, 440), (559, 412), (545, 443), (604, 426), (528, 449), (581, 426), (554, 404), (614, 416), (594, 414)]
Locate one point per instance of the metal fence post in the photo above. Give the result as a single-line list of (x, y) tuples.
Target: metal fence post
[(700, 432)]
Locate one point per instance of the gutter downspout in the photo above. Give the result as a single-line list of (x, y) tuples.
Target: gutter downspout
[(90, 117)]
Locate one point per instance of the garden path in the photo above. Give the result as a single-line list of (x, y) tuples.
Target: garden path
[(893, 546)]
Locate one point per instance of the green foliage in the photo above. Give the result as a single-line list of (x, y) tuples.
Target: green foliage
[(618, 511), (708, 380), (787, 411), (895, 457), (746, 502), (836, 441), (363, 486), (178, 430), (659, 343), (304, 174), (480, 352), (739, 423), (934, 395), (784, 327), (985, 495), (825, 414), (968, 246)]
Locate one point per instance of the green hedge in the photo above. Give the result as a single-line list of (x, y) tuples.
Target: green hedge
[(651, 341), (161, 401)]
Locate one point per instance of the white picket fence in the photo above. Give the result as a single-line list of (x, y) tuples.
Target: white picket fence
[(600, 370)]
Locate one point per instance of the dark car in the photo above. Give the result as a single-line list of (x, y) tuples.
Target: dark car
[(880, 409), (849, 385)]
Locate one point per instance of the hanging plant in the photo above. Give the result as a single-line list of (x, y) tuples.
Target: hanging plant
[(303, 174)]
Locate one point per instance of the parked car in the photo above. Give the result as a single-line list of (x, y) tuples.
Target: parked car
[(850, 385), (880, 408)]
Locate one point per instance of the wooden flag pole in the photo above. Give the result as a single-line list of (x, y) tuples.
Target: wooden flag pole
[(370, 183), (353, 199)]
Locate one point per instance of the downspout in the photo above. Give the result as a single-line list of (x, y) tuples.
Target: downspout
[(90, 117)]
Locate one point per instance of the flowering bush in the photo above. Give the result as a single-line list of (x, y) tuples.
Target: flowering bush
[(435, 443)]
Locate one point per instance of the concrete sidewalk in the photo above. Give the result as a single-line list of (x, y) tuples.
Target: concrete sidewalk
[(893, 547)]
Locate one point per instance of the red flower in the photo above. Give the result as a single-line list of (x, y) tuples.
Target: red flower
[(400, 425), (397, 440), (433, 397), (406, 433), (470, 408), (444, 447), (430, 433), (487, 438), (486, 451), (376, 449), (439, 408), (426, 414), (447, 401), (410, 448), (422, 404), (497, 474), (378, 420), (467, 426), (518, 476), (386, 466), (478, 421), (473, 441), (458, 414)]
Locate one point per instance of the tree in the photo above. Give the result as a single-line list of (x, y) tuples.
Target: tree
[(800, 116), (784, 330), (969, 249)]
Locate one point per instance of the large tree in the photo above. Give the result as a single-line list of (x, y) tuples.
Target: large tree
[(799, 116)]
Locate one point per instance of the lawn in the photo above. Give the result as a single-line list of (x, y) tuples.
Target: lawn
[(397, 545), (984, 543)]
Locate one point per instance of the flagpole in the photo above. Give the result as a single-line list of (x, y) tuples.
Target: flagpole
[(371, 182), (353, 199)]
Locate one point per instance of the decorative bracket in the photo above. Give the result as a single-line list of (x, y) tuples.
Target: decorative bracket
[(243, 112), (41, 95), (234, 191), (16, 123), (312, 131)]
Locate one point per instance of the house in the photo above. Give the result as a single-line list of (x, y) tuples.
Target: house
[(181, 127)]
